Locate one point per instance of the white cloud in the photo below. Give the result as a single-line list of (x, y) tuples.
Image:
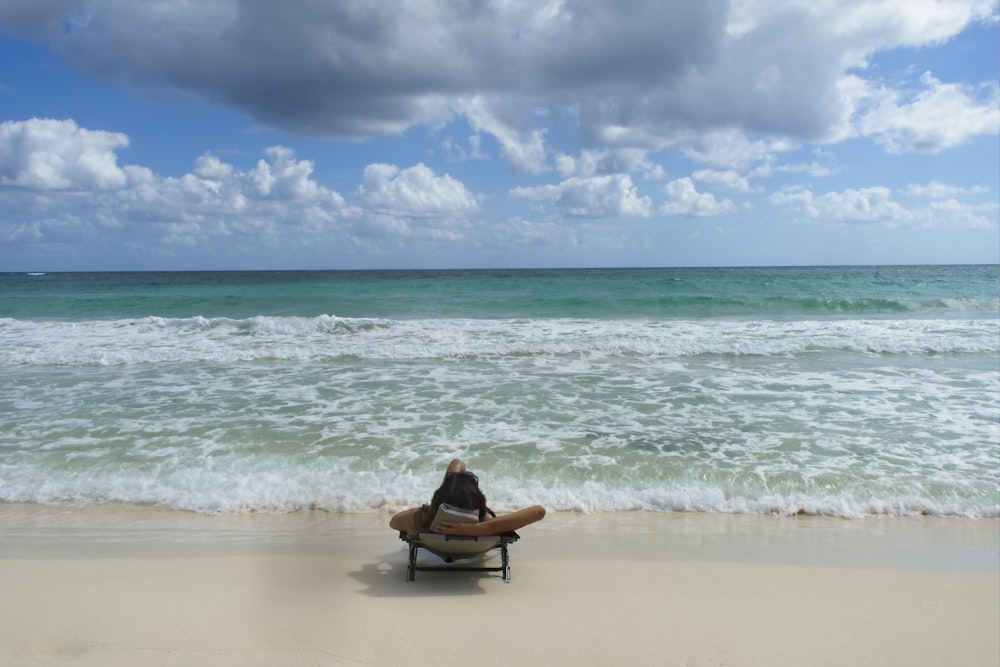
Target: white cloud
[(211, 168), (816, 168), (414, 192), (730, 148), (953, 213), (217, 199), (50, 155), (684, 199), (727, 178), (52, 167), (902, 22), (878, 206), (594, 196), (940, 116), (60, 177), (285, 178), (602, 161), (938, 190), (523, 149), (457, 151), (872, 204)]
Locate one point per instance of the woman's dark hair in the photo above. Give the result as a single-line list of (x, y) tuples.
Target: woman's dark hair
[(460, 489)]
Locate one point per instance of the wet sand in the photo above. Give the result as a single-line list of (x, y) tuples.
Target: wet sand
[(125, 586)]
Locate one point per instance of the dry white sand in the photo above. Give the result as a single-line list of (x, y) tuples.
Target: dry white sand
[(119, 586)]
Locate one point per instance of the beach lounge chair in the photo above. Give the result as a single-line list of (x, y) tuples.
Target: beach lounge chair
[(464, 548)]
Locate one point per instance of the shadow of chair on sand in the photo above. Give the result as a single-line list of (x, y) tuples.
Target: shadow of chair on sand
[(387, 578)]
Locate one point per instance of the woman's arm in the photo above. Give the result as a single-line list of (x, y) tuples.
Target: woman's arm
[(405, 521), (494, 525)]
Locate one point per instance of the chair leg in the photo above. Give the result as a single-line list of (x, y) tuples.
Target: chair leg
[(505, 561), (411, 568)]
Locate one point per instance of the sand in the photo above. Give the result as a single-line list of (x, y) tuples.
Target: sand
[(125, 586)]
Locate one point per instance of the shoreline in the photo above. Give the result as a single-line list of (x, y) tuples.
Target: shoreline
[(893, 542), (117, 585)]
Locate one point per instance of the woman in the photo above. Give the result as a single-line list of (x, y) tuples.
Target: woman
[(460, 488)]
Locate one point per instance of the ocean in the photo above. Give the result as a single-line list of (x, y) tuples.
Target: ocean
[(843, 391)]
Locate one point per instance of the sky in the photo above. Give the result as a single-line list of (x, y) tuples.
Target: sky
[(246, 134)]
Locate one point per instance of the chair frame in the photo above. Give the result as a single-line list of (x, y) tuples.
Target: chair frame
[(416, 543)]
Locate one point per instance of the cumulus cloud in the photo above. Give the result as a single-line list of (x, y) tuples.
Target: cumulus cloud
[(879, 205), (902, 22), (414, 192), (49, 167), (218, 199), (592, 162), (938, 190), (874, 204), (727, 82), (684, 199), (817, 168), (281, 177), (727, 178), (593, 197), (939, 116), (730, 148), (46, 154)]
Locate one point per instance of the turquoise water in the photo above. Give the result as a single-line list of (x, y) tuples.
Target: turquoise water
[(831, 390), (597, 293)]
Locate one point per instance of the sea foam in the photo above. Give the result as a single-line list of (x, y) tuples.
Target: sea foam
[(157, 340)]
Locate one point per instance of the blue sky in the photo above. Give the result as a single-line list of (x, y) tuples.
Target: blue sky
[(235, 134)]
